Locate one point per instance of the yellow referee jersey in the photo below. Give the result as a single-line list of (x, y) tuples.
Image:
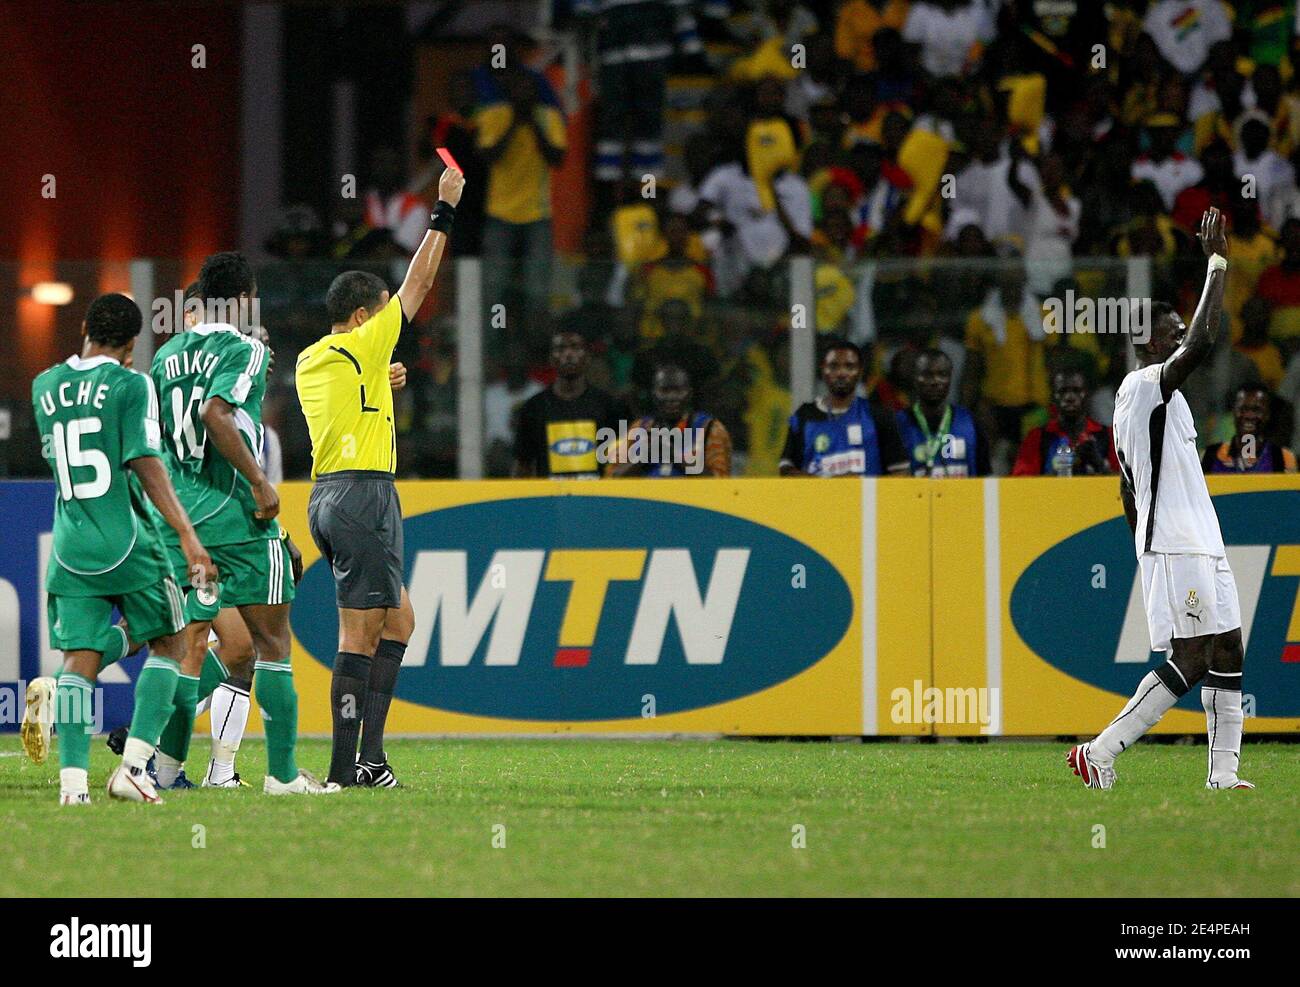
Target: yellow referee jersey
[(343, 388)]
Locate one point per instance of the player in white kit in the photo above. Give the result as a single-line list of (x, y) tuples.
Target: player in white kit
[(1190, 594)]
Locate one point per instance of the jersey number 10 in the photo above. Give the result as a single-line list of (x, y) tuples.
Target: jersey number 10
[(185, 415)]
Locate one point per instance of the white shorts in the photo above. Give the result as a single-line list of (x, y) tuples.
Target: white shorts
[(1188, 596)]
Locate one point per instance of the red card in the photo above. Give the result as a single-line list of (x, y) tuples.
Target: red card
[(447, 159)]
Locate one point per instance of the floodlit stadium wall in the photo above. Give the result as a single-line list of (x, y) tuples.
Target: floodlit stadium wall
[(797, 606)]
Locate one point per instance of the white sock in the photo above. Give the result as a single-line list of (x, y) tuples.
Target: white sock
[(136, 753), (1223, 721), (167, 768), (72, 781), (230, 706), (1151, 701)]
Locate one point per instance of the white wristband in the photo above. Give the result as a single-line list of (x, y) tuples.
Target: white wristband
[(1218, 262)]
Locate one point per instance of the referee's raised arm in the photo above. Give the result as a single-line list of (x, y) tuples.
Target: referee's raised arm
[(428, 256)]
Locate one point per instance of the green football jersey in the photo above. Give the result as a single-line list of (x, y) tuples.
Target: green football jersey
[(95, 416), (213, 360)]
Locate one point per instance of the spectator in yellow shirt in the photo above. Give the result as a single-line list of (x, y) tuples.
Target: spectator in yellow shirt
[(856, 26), (1254, 250), (1006, 372), (521, 139), (675, 276), (1254, 342)]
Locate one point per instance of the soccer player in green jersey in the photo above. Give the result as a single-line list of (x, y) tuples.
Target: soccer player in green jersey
[(98, 421), (226, 677), (210, 383)]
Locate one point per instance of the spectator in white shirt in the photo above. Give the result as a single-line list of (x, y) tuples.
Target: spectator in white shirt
[(1284, 203), (390, 206), (1273, 177), (751, 236), (1053, 224), (697, 157), (981, 186), (948, 31), (1168, 169), (1184, 30)]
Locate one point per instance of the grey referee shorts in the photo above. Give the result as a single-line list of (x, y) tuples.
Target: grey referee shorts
[(356, 522)]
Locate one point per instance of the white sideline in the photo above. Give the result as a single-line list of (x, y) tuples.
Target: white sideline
[(993, 601), (868, 616)]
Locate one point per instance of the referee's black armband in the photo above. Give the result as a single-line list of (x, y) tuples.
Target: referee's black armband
[(444, 214)]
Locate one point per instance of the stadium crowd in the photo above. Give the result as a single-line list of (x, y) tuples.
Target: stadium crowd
[(947, 167), (946, 164)]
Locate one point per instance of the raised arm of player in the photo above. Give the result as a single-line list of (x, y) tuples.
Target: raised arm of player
[(1199, 340), (158, 488), (219, 419), (424, 265)]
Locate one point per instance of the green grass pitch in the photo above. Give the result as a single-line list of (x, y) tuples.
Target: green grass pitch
[(586, 817)]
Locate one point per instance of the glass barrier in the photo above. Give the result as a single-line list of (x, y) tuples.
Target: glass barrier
[(1007, 326), (482, 344)]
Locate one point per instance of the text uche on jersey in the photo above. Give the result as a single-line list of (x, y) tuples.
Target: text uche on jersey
[(87, 394)]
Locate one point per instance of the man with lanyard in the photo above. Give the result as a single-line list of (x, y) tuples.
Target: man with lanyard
[(842, 434), (1071, 443), (942, 438)]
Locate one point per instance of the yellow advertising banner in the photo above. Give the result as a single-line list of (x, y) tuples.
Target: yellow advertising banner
[(643, 606), (1036, 598), (794, 606)]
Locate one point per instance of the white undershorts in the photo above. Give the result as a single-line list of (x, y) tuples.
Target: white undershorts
[(1188, 596)]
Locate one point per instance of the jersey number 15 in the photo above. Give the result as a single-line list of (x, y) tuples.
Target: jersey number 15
[(68, 455)]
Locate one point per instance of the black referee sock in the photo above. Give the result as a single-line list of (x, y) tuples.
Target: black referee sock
[(348, 688), (383, 677)]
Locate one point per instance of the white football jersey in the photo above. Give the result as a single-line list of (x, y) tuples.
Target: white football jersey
[(1156, 444)]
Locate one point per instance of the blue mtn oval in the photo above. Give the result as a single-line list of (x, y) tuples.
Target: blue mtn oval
[(777, 630), (1076, 628)]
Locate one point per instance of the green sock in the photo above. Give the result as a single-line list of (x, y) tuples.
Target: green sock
[(175, 739), (112, 644), (278, 701), (155, 694), (73, 697), (211, 676)]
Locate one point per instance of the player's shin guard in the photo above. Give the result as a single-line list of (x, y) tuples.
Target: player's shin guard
[(155, 695), (379, 696), (1221, 697), (1155, 696), (174, 743), (230, 705), (348, 688), (278, 701), (74, 722)]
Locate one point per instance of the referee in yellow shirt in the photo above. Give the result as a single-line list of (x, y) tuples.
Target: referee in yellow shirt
[(355, 518)]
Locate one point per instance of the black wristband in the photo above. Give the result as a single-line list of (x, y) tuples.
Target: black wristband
[(444, 214)]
